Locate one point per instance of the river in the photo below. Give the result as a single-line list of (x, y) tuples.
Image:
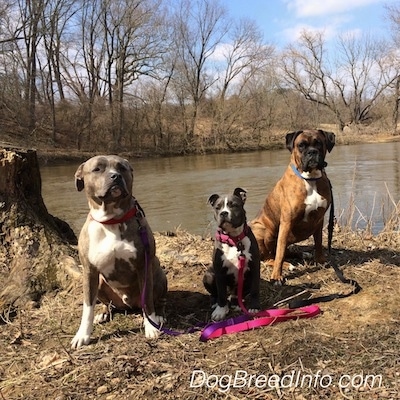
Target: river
[(174, 191)]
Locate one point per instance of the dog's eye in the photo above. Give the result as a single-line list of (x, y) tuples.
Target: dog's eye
[(97, 169), (121, 168), (318, 143), (302, 145)]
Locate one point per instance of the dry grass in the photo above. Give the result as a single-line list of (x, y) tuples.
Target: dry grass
[(355, 335)]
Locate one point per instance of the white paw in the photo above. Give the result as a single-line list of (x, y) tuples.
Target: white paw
[(79, 340), (82, 337), (101, 318), (220, 313), (253, 310), (151, 331), (291, 267), (307, 255)]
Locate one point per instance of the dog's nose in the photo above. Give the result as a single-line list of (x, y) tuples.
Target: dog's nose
[(313, 152), (224, 214), (115, 177)]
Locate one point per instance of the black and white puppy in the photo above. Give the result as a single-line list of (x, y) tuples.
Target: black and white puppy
[(233, 238)]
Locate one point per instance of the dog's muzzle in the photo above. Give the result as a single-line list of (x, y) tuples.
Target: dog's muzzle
[(223, 218), (312, 159), (117, 188), (229, 220)]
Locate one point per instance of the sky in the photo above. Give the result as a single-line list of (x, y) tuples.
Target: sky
[(282, 20)]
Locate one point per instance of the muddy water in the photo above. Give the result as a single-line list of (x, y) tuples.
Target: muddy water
[(174, 191)]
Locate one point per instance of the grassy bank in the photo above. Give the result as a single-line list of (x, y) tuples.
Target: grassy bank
[(354, 340)]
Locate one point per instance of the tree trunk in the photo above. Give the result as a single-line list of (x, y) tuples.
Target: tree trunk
[(36, 255)]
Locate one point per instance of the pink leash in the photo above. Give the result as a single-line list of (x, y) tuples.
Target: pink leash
[(249, 321)]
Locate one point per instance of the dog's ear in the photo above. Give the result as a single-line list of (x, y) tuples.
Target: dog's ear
[(212, 199), (290, 138), (79, 182), (330, 140), (242, 193)]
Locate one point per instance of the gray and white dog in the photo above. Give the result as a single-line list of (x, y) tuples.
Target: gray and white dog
[(233, 237), (117, 249)]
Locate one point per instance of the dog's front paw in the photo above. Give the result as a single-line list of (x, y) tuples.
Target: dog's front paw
[(234, 303), (79, 340), (291, 267), (151, 331), (103, 316), (220, 313), (253, 310), (278, 282)]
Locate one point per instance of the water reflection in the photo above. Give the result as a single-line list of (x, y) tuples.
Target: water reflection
[(174, 191)]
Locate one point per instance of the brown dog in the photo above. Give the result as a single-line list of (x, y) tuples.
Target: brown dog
[(117, 249), (295, 208)]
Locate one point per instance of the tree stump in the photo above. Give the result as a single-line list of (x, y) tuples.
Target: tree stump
[(36, 249)]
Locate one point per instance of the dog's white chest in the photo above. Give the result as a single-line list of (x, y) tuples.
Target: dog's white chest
[(106, 246), (313, 199), (230, 257)]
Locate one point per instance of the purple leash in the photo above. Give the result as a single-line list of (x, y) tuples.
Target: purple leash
[(146, 243)]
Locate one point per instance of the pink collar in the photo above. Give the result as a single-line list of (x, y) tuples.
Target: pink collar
[(114, 221), (231, 240)]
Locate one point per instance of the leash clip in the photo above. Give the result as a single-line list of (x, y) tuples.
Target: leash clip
[(139, 213), (240, 247)]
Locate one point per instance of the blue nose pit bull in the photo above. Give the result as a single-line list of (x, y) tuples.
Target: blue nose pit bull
[(233, 237), (113, 249)]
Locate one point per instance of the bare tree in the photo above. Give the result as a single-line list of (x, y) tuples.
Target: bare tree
[(31, 13), (93, 56), (134, 45), (348, 84), (199, 27), (244, 58), (393, 15), (56, 15), (11, 90)]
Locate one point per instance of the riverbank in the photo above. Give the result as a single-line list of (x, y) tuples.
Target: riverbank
[(48, 155), (353, 344), (64, 151)]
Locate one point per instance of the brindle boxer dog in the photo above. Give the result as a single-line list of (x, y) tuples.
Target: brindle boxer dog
[(295, 208), (116, 247)]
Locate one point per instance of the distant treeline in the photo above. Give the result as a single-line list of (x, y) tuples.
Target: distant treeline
[(181, 76)]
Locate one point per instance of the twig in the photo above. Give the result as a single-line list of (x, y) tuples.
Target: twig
[(290, 298)]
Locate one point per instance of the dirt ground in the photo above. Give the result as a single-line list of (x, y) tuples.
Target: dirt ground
[(349, 351)]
